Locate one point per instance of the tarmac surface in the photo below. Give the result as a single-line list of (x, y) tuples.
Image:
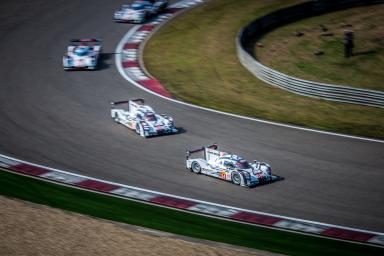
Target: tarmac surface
[(62, 120)]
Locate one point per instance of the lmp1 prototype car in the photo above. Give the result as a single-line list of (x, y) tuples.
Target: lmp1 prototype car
[(139, 11), (82, 54), (229, 167), (142, 118)]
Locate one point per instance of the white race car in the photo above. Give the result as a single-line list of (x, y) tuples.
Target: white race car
[(229, 167), (82, 54), (141, 118), (139, 11)]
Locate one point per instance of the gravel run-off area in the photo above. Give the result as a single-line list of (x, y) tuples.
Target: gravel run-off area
[(32, 229)]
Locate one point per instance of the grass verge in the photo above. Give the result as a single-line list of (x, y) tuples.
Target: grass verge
[(194, 56), (116, 209)]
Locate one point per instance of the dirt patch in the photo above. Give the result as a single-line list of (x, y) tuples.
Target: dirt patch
[(31, 229)]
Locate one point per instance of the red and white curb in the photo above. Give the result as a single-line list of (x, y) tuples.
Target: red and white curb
[(192, 205), (130, 49)]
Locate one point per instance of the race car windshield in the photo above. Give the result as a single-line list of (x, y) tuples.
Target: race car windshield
[(137, 6), (150, 117), (243, 164), (82, 51)]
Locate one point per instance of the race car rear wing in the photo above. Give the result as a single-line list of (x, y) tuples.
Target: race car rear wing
[(115, 103), (132, 102), (188, 153), (88, 41)]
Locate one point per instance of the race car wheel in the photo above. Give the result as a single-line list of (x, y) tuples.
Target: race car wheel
[(116, 118), (147, 16), (236, 179), (138, 129), (195, 167)]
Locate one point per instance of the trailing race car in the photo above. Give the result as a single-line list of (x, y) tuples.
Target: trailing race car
[(229, 167), (82, 54), (139, 11), (142, 118)]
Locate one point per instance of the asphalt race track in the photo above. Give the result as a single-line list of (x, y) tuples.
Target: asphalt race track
[(61, 119)]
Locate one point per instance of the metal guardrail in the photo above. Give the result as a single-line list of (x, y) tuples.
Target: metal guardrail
[(245, 42)]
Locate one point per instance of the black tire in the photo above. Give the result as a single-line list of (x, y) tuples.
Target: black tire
[(147, 15), (138, 128), (195, 167), (236, 178), (116, 118)]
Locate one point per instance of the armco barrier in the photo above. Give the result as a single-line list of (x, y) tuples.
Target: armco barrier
[(192, 205), (245, 50)]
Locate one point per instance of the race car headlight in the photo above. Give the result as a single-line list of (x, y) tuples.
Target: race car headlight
[(92, 61), (140, 14), (68, 60), (146, 128)]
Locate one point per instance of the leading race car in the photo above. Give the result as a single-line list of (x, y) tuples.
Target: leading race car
[(141, 118), (139, 11), (82, 54), (229, 167)]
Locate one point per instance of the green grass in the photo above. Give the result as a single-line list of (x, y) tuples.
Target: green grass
[(194, 56), (116, 209), (294, 55)]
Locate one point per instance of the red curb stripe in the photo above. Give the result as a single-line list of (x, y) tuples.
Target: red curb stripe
[(155, 86), (256, 218), (147, 27), (347, 234), (130, 64), (131, 46), (29, 169), (174, 202), (97, 185)]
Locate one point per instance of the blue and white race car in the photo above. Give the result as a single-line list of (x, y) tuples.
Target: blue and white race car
[(82, 54), (141, 118), (139, 11), (229, 167)]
